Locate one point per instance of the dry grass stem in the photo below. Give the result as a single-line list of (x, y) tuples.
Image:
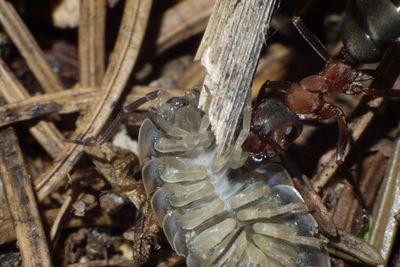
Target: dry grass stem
[(92, 42), (182, 21), (130, 37), (44, 132), (229, 52), (386, 207), (28, 48), (22, 202)]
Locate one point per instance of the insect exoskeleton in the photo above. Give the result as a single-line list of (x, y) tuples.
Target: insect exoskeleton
[(215, 215), (369, 28)]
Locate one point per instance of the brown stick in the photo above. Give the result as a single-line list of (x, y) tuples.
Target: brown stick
[(182, 21), (21, 199), (68, 101), (28, 48), (130, 38), (91, 42), (44, 132)]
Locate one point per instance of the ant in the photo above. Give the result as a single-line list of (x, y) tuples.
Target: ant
[(306, 100), (275, 125)]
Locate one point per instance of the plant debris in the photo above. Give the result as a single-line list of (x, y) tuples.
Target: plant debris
[(64, 80)]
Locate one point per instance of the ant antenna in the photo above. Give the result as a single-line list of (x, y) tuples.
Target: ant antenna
[(311, 39)]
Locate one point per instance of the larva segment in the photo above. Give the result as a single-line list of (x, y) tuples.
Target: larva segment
[(219, 216), (148, 135)]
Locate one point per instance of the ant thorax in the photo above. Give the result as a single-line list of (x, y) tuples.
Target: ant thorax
[(338, 75)]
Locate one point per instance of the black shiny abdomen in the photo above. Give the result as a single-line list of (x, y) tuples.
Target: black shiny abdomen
[(369, 27)]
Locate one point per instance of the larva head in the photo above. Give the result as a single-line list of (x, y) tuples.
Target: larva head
[(167, 105), (273, 124)]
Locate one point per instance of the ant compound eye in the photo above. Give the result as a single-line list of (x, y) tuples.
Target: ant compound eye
[(291, 133)]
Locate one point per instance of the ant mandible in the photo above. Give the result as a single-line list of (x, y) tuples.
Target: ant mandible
[(306, 100)]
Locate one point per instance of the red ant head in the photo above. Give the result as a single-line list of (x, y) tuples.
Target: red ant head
[(274, 126)]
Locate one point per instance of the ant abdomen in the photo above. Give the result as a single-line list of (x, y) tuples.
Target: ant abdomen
[(215, 215), (369, 27)]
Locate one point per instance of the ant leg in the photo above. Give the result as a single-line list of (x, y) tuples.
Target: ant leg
[(357, 89), (347, 57), (381, 93), (328, 111), (117, 121), (311, 39), (367, 74), (387, 73), (389, 67), (274, 85)]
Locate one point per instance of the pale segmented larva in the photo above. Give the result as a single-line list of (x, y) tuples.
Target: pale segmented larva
[(215, 215)]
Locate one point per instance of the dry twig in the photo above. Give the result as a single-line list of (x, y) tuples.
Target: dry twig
[(92, 42), (22, 202), (229, 52), (182, 21), (67, 101), (130, 37), (44, 132), (386, 207), (28, 48)]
